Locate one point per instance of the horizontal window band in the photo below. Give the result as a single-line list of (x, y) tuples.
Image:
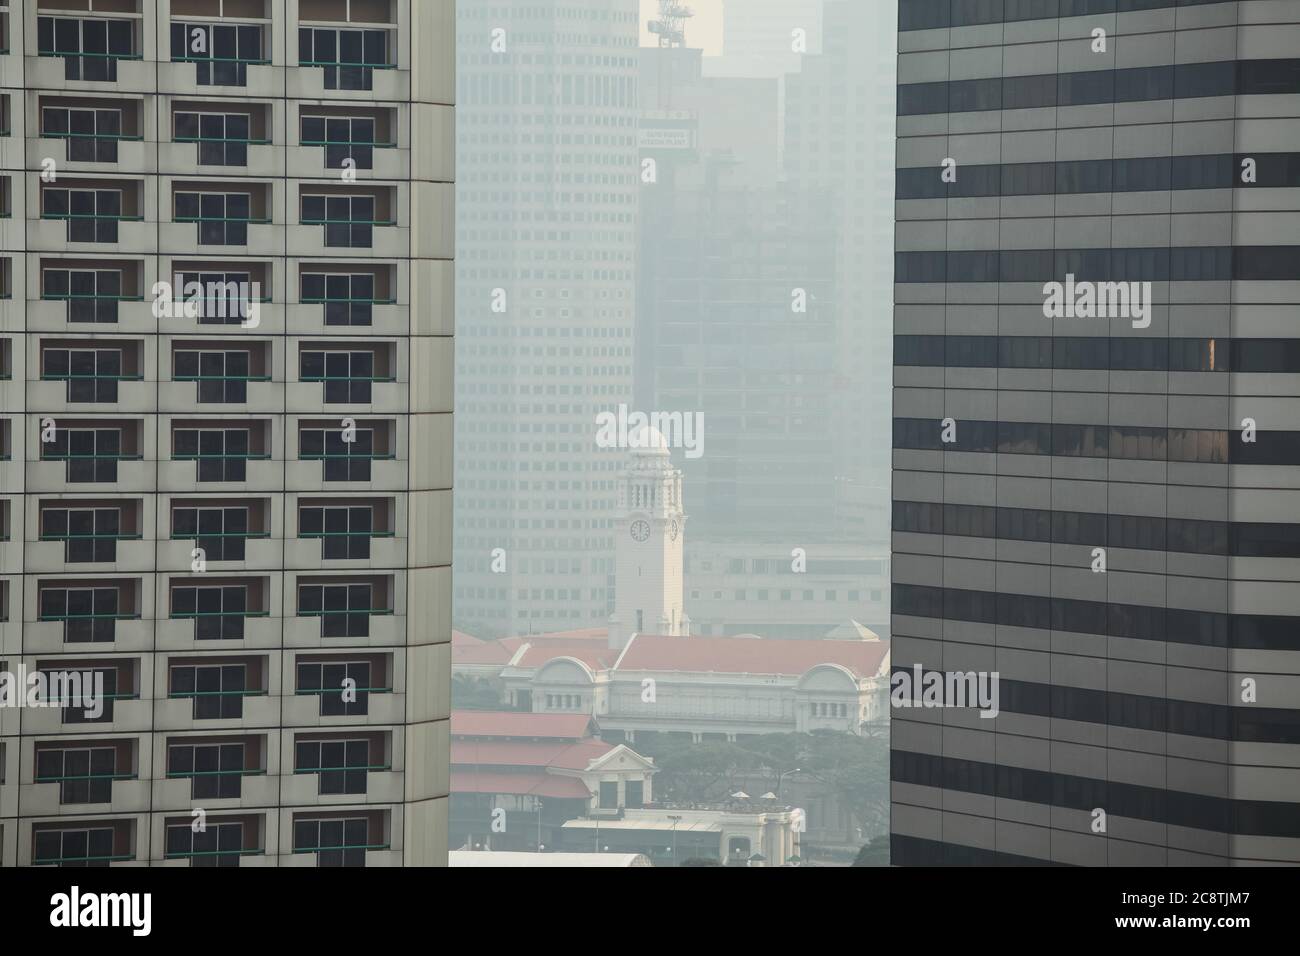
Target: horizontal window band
[(1115, 442), (940, 14), (1267, 632), (1101, 353), (1100, 87), (1238, 539), (917, 851), (1098, 353), (1260, 725), (1155, 804), (1148, 264), (1074, 177)]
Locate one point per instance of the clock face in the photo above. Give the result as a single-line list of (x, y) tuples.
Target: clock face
[(672, 530), (640, 530)]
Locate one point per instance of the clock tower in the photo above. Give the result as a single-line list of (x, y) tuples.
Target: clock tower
[(649, 529)]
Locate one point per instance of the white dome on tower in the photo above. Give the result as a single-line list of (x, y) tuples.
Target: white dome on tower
[(647, 440)]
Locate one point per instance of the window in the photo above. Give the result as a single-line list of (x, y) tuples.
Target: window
[(344, 460), (92, 374), (222, 376), (89, 614), (608, 795), (221, 52), (92, 135), (92, 846), (344, 532), (223, 218), (348, 376), (219, 844), (217, 690), (336, 842), (90, 48), (344, 609), (221, 532), (224, 297), (84, 774), (349, 221), (348, 299), (92, 214), (327, 681), (222, 453), (218, 610), (349, 57), (77, 710), (222, 138), (90, 535), (340, 764), (343, 137), (89, 454), (215, 770), (92, 294)]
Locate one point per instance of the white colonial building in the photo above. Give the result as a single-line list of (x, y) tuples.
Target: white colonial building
[(646, 673)]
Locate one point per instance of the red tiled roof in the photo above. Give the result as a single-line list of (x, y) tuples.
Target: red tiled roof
[(581, 634), (738, 655), (517, 753), (537, 783), (597, 658), (502, 723), (475, 651)]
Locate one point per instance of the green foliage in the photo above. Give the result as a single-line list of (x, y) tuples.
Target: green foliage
[(474, 693), (854, 768), (875, 853)]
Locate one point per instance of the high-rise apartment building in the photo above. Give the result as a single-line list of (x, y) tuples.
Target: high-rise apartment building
[(546, 232), (225, 367), (1096, 484)]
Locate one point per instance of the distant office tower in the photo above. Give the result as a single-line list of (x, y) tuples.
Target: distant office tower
[(1107, 517), (547, 205), (740, 317), (767, 37), (226, 351), (839, 147)]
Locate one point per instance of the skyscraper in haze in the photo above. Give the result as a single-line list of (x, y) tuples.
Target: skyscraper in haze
[(765, 38), (1096, 499), (546, 225)]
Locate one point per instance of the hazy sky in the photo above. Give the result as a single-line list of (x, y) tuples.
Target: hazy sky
[(704, 30)]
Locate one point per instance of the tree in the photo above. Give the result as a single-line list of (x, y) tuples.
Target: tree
[(875, 853), (473, 693)]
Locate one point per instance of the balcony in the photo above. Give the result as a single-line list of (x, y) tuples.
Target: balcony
[(387, 394), (383, 707), (261, 631), (130, 794), (45, 634), (130, 149), (131, 715), (133, 553), (51, 472), (260, 709), (347, 299), (48, 70), (217, 136)]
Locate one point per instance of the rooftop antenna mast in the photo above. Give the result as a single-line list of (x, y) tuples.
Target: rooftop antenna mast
[(671, 25)]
